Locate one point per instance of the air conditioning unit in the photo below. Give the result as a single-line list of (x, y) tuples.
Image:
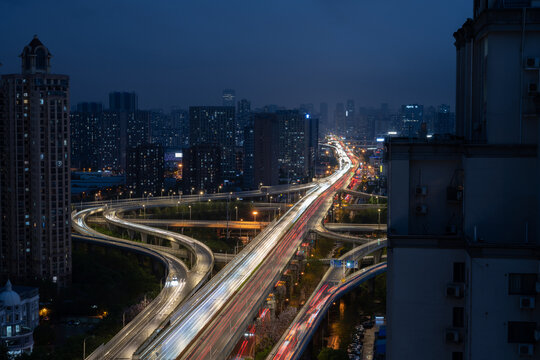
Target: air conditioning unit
[(533, 89), (421, 209), (532, 62), (421, 190), (525, 349), (454, 290), (454, 194), (526, 302), (451, 230), (452, 336)]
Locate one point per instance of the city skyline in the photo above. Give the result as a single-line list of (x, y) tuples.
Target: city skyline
[(345, 58)]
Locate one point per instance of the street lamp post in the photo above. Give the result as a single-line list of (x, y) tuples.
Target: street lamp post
[(236, 208), (379, 223), (189, 212), (255, 220), (84, 346)]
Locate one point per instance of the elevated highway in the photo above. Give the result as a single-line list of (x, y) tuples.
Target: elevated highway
[(207, 325), (355, 227), (125, 342), (297, 337), (362, 194), (216, 224)]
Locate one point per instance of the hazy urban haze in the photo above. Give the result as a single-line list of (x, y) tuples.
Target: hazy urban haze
[(180, 53)]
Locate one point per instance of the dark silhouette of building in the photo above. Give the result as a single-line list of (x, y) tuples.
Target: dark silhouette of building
[(216, 126), (243, 115), (248, 176), (145, 169), (463, 230), (202, 169), (265, 149), (86, 136), (444, 120), (123, 101), (340, 119), (35, 240), (412, 117), (293, 145)]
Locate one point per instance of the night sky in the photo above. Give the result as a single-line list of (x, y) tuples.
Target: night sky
[(286, 52)]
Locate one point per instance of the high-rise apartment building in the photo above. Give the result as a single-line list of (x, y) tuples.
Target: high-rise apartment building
[(145, 168), (463, 230), (444, 120), (243, 118), (293, 145), (35, 238), (323, 116), (248, 177), (340, 119), (350, 116), (180, 124), (202, 168), (86, 136), (412, 118), (123, 101), (266, 149), (133, 125), (216, 125), (110, 147)]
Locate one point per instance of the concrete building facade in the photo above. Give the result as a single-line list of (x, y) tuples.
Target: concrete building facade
[(35, 240), (464, 242)]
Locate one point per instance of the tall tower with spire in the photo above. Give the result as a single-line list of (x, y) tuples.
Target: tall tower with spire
[(35, 238)]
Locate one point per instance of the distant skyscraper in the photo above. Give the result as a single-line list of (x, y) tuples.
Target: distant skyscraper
[(123, 101), (86, 136), (229, 97), (293, 145), (145, 167), (243, 115), (202, 168), (350, 115), (248, 177), (340, 119), (444, 120), (35, 240), (216, 125), (180, 124), (110, 149), (265, 149), (134, 125), (312, 134), (323, 116), (412, 116)]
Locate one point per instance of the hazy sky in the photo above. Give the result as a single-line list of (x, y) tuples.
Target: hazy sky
[(286, 52)]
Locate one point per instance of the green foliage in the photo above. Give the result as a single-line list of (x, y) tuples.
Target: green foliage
[(261, 355), (323, 247), (331, 354), (106, 231), (365, 216), (106, 277), (209, 210)]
